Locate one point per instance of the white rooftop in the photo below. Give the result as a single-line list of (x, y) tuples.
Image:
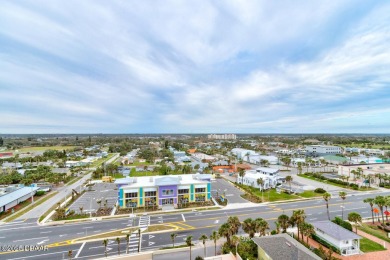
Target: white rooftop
[(14, 195)]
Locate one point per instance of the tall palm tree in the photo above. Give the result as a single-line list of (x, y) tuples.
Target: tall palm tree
[(327, 197), (234, 223), (173, 236), (127, 243), (105, 243), (118, 241), (354, 217), (387, 204), (284, 222), (203, 237), (225, 231), (343, 196), (277, 227), (299, 217), (189, 243), (249, 226), (308, 230), (371, 202), (289, 179), (241, 173), (261, 226), (380, 201), (215, 236)]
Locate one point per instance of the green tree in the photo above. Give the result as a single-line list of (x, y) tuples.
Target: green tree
[(371, 202), (173, 236), (127, 243), (215, 236), (260, 182), (298, 217), (380, 201), (307, 230), (234, 223), (343, 196), (105, 243), (289, 179), (118, 241), (225, 231), (203, 238), (189, 243), (249, 227), (284, 222), (261, 226), (327, 197), (241, 173), (355, 217)]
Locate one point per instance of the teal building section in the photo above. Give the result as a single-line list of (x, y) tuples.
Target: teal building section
[(208, 190), (192, 192), (120, 197), (141, 197)]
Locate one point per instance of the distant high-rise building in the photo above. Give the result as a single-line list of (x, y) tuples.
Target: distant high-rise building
[(222, 136)]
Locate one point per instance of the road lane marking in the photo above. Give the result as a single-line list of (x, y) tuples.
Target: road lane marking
[(79, 251), (182, 215), (45, 232), (29, 239)]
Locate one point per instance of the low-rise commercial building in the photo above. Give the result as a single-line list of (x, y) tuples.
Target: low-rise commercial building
[(10, 196), (318, 150), (163, 190)]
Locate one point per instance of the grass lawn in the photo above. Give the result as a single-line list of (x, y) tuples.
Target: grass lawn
[(367, 245), (118, 176), (141, 174), (309, 194), (269, 195), (375, 231), (334, 184), (41, 149)]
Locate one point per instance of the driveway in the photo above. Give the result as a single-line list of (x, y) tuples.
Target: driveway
[(232, 193)]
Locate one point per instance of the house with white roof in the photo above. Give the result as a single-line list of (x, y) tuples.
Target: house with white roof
[(268, 175), (346, 241)]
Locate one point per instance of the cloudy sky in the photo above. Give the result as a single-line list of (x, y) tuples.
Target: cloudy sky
[(194, 66)]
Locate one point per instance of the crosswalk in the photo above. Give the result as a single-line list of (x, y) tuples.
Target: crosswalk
[(144, 221), (133, 242)]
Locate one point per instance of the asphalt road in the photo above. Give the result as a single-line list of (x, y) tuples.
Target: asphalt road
[(192, 223)]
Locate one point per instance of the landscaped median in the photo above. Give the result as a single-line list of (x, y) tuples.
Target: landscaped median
[(123, 232)]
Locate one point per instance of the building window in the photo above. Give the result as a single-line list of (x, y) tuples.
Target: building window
[(167, 192), (150, 194), (183, 191), (200, 190), (131, 195)]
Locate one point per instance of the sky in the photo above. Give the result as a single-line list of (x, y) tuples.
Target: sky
[(194, 66)]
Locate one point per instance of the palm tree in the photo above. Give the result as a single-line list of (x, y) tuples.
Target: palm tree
[(354, 172), (118, 241), (241, 173), (284, 222), (225, 231), (387, 204), (203, 237), (249, 226), (105, 243), (371, 202), (327, 197), (261, 226), (260, 182), (215, 236), (81, 209), (289, 179), (234, 223), (308, 230), (127, 243), (189, 243), (235, 241), (380, 202), (277, 227), (298, 217), (343, 196), (354, 217), (173, 236)]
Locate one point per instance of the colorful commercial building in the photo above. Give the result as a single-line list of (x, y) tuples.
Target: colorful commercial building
[(158, 191)]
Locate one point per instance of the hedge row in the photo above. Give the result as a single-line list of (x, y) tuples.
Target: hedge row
[(340, 182), (325, 243), (342, 223)]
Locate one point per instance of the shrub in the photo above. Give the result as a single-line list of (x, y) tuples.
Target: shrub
[(319, 190), (325, 243), (40, 193), (198, 258), (342, 223), (273, 232)]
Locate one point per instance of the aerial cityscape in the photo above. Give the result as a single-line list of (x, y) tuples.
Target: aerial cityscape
[(215, 130)]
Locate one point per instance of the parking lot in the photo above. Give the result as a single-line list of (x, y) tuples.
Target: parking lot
[(232, 193), (105, 192)]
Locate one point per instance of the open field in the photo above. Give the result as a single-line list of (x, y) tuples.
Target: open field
[(98, 162)]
